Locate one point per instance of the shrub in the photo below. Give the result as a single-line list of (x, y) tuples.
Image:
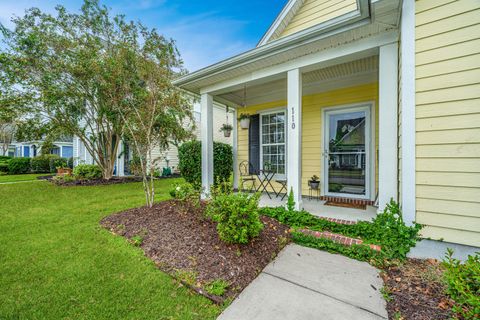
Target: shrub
[(44, 163), (463, 281), (70, 162), (186, 193), (237, 216), (190, 161), (19, 165), (87, 172), (4, 160)]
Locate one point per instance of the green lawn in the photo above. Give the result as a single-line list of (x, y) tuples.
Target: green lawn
[(20, 177), (56, 262)]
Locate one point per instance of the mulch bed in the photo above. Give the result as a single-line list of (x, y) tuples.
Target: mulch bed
[(98, 182), (181, 240), (417, 291)]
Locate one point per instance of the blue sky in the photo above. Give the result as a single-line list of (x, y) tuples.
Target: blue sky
[(206, 31)]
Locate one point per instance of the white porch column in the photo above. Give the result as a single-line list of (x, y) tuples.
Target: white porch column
[(235, 150), (294, 135), (206, 104), (388, 125), (408, 196)]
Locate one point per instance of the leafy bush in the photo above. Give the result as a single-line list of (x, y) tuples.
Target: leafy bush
[(463, 281), (70, 162), (4, 160), (19, 165), (44, 163), (190, 161), (87, 172), (387, 229), (186, 193), (237, 216)]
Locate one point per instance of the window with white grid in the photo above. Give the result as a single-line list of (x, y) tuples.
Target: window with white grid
[(273, 141)]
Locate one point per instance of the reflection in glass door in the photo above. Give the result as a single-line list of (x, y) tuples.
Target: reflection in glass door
[(347, 152)]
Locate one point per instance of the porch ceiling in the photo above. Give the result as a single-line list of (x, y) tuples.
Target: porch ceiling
[(384, 18), (338, 76)]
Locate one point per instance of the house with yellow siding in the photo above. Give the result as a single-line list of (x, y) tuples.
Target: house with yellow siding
[(378, 98)]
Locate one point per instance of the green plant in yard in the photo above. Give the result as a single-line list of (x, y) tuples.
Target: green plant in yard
[(190, 162), (386, 294), (19, 165), (290, 202), (463, 284), (387, 230), (137, 240), (217, 287), (45, 163), (187, 194), (237, 216), (87, 172), (4, 163)]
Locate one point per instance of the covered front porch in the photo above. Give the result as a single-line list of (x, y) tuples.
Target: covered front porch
[(325, 107), (317, 207)]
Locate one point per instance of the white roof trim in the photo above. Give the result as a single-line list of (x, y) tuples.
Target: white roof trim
[(327, 28), (292, 7)]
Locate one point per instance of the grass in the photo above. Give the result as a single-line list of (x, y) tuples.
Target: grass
[(20, 177), (56, 262)]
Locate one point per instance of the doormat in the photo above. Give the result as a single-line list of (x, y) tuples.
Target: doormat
[(346, 205)]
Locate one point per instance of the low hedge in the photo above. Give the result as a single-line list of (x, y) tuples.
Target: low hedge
[(87, 172), (190, 161), (19, 165), (4, 160), (44, 163)]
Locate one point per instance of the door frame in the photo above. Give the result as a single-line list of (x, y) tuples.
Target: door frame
[(370, 145)]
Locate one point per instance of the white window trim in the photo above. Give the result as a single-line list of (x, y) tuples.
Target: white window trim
[(370, 192), (271, 111)]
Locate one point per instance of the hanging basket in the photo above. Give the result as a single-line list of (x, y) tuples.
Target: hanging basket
[(227, 133), (245, 123)]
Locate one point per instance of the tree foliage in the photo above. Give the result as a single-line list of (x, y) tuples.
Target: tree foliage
[(80, 71)]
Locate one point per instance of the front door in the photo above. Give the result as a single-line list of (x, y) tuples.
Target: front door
[(347, 152)]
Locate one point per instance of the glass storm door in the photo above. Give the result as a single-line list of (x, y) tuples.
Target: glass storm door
[(347, 158)]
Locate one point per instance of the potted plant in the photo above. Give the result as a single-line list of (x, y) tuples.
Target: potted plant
[(227, 129), (244, 120), (64, 171), (314, 182)]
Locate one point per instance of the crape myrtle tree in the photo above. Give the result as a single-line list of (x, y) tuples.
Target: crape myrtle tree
[(85, 72), (156, 114)]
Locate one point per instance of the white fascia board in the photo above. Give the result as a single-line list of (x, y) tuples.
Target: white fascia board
[(318, 60), (338, 25)]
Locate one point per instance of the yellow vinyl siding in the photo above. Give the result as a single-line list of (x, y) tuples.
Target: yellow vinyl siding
[(447, 51), (314, 12), (312, 125)]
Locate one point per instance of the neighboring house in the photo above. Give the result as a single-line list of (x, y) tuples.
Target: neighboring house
[(29, 149), (401, 77), (165, 159)]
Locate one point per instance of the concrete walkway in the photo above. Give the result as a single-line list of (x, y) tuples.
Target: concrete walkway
[(304, 283)]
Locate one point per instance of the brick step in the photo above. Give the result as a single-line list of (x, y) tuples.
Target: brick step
[(338, 238), (339, 221)]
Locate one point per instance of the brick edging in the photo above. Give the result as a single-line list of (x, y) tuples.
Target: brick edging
[(338, 238)]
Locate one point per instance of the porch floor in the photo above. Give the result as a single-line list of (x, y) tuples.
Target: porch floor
[(318, 208)]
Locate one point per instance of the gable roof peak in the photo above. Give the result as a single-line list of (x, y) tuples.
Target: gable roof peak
[(282, 20)]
